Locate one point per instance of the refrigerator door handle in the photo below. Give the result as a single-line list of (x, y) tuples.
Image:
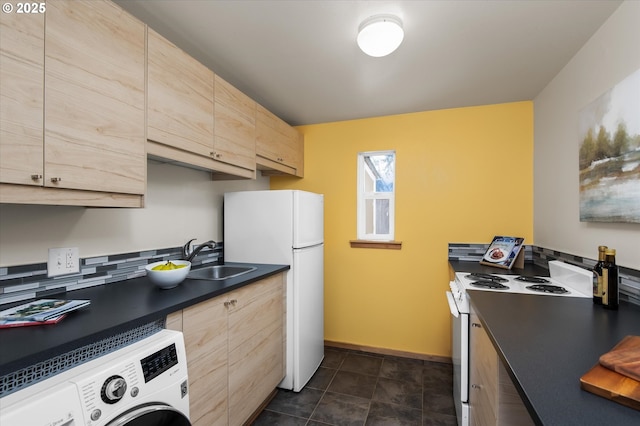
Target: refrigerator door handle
[(309, 246)]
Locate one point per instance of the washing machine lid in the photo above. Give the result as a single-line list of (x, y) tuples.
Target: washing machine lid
[(151, 415)]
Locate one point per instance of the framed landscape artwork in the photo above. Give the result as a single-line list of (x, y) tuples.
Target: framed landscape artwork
[(609, 156)]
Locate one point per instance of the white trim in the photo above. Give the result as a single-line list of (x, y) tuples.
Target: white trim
[(363, 196)]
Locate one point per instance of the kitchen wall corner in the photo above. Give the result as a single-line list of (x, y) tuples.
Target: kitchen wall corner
[(606, 59)]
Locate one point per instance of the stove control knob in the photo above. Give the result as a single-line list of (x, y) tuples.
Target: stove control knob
[(113, 389)]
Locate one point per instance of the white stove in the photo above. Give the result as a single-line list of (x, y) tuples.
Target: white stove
[(565, 281)]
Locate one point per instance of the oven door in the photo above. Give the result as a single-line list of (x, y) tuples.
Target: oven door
[(460, 358)]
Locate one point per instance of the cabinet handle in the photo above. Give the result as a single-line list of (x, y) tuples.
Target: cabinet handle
[(231, 302), (36, 177), (56, 179), (215, 154), (475, 324), (477, 387)]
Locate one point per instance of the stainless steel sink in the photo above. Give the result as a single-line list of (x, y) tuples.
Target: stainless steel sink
[(219, 272)]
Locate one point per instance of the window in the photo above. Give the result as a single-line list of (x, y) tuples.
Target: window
[(376, 195)]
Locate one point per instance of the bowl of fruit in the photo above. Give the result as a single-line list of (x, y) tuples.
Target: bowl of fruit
[(168, 273)]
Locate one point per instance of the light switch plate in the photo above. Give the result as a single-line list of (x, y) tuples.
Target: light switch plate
[(63, 261)]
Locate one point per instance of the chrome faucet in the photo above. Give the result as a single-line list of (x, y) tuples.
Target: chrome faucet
[(188, 254)]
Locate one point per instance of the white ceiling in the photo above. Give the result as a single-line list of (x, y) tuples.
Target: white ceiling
[(300, 59)]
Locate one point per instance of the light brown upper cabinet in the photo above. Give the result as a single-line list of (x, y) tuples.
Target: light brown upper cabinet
[(21, 98), (180, 98), (181, 106), (94, 98), (235, 126), (279, 147), (84, 145)]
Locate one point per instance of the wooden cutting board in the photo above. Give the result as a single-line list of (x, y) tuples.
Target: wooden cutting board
[(605, 382), (624, 358), (611, 385)]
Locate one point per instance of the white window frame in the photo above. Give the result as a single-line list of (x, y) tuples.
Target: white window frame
[(364, 195)]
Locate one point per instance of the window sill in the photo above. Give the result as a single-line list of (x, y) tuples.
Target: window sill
[(387, 245)]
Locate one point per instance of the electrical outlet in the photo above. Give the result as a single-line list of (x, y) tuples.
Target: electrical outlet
[(63, 261)]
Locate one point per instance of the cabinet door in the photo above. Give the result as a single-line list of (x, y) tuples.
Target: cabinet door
[(174, 321), (511, 408), (493, 397), (235, 126), (21, 97), (205, 333), (278, 143), (483, 377), (256, 350), (94, 97), (179, 98)]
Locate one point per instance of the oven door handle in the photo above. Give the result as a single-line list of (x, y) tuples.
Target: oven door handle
[(452, 305)]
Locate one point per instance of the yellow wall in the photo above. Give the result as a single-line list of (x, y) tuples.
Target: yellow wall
[(462, 175)]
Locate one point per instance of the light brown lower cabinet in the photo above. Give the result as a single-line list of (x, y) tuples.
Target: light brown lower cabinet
[(493, 398), (235, 351)]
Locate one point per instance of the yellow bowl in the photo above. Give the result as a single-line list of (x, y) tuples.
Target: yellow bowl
[(168, 278)]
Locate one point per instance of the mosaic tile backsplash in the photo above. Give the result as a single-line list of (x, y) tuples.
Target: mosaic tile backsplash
[(30, 281), (629, 284), (25, 282)]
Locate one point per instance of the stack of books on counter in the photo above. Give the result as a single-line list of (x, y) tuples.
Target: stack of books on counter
[(42, 311)]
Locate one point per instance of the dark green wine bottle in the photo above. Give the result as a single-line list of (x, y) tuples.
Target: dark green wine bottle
[(610, 280)]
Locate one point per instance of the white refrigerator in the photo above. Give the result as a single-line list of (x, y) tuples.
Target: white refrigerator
[(285, 227)]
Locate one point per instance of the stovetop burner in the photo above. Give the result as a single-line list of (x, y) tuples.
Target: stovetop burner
[(536, 280), (484, 277), (548, 288), (490, 284)]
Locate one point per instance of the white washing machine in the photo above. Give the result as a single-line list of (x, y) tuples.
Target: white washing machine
[(142, 384)]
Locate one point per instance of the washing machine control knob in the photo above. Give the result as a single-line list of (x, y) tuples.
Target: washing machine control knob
[(95, 414), (113, 389)]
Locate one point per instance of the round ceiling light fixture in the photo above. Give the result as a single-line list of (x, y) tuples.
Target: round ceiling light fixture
[(380, 35)]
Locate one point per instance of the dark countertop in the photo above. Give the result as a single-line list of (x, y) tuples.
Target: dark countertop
[(547, 343), (115, 308)]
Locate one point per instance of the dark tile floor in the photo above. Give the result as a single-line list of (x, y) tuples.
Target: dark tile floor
[(361, 388)]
